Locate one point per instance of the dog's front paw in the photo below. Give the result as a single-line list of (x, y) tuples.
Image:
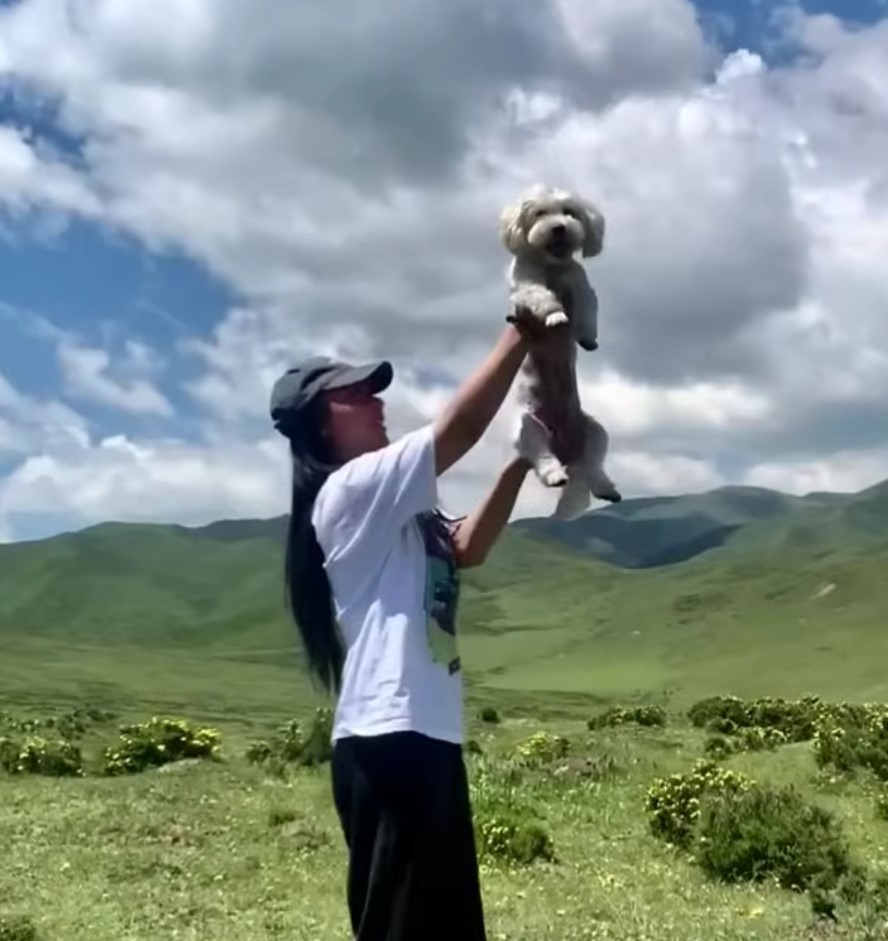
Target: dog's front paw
[(553, 475), (556, 319)]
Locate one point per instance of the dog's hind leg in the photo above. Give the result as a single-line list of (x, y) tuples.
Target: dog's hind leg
[(531, 441), (594, 453), (574, 499)]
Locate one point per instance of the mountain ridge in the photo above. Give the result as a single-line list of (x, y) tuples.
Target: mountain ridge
[(731, 505), (780, 596), (656, 531)]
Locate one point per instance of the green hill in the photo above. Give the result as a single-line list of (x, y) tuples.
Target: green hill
[(790, 597), (140, 584), (664, 530)]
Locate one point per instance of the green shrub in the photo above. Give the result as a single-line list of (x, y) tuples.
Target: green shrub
[(507, 826), (69, 725), (17, 928), (286, 745), (758, 738), (512, 839), (26, 726), (35, 755), (762, 832), (293, 745), (720, 746), (729, 714), (751, 739), (489, 715), (722, 725), (647, 716), (674, 803), (542, 748), (849, 743), (738, 830), (882, 806), (158, 742), (797, 720), (707, 711), (258, 753), (318, 747), (75, 722), (846, 736), (9, 752)]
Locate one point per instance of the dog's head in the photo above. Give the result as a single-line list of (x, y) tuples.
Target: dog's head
[(552, 224)]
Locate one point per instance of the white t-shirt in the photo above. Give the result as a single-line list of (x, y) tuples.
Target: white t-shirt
[(395, 593)]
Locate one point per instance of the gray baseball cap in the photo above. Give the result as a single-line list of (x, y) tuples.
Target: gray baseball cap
[(300, 384)]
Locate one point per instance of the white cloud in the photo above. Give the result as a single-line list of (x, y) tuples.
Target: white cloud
[(635, 410), (345, 171), (30, 179), (31, 425), (648, 474), (846, 472), (86, 375), (650, 44), (142, 359), (120, 479), (9, 439)]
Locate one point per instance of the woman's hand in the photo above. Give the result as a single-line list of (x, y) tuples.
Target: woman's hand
[(538, 335), (528, 324)]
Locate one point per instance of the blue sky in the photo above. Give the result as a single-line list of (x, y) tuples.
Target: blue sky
[(106, 289), (129, 277), (750, 23)]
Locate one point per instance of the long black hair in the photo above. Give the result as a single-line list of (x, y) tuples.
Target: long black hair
[(308, 592)]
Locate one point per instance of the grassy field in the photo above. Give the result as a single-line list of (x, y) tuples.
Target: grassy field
[(229, 850), (201, 623), (145, 620)]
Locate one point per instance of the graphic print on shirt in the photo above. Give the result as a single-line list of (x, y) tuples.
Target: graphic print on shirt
[(441, 590)]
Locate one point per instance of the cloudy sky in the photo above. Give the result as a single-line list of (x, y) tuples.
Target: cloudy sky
[(193, 193)]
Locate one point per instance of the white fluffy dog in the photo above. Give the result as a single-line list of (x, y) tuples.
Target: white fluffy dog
[(544, 231)]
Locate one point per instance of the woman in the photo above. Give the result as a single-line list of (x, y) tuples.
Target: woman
[(372, 576)]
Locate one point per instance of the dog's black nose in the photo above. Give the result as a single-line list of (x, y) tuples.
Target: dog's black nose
[(558, 229)]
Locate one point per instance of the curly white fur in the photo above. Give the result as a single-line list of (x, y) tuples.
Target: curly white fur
[(544, 231)]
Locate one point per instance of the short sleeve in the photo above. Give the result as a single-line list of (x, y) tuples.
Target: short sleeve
[(374, 495)]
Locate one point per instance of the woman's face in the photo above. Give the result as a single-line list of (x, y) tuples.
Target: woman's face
[(355, 421)]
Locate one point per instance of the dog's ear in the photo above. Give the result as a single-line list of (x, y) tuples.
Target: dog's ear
[(511, 228), (593, 227)]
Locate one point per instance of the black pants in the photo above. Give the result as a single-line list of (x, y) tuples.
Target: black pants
[(403, 801)]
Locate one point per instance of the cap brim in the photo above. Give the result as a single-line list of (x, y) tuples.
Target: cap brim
[(378, 374)]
